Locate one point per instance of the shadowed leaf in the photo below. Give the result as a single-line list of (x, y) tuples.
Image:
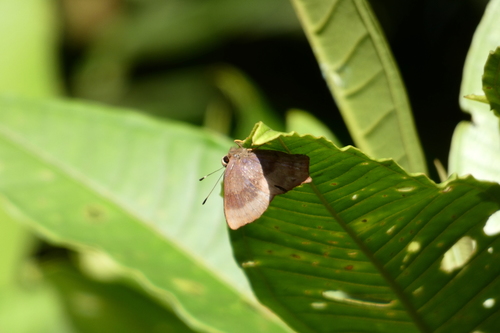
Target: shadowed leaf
[(491, 80), (358, 66)]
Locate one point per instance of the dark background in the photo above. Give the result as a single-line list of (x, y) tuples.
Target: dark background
[(429, 40)]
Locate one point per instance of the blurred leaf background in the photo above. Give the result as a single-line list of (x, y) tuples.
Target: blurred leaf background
[(222, 64)]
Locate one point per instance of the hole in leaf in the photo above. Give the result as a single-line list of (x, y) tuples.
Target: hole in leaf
[(414, 247), (492, 226), (406, 189), (343, 297), (247, 264), (318, 305), (390, 230), (447, 189), (459, 254), (489, 303), (418, 291)]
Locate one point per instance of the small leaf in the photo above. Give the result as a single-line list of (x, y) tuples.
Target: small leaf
[(477, 98), (248, 102), (363, 248), (491, 80), (305, 123)]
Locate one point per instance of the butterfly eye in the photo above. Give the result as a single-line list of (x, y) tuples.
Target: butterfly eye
[(225, 161)]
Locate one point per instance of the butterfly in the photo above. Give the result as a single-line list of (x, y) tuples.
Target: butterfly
[(253, 177)]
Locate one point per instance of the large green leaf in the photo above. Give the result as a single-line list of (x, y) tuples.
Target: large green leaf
[(87, 176), (475, 147), (365, 246), (360, 71)]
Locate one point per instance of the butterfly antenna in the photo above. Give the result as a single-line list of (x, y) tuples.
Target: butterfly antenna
[(218, 180), (211, 173)]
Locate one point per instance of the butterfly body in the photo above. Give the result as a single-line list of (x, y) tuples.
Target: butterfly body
[(254, 177)]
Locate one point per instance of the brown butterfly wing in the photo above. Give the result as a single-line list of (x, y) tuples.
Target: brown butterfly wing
[(283, 171), (253, 178), (246, 195)]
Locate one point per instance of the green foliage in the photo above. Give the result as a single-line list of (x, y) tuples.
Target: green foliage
[(362, 75), (491, 80), (367, 246), (39, 303), (114, 307), (474, 148), (28, 57), (28, 67), (304, 122), (172, 30), (124, 184), (366, 240)]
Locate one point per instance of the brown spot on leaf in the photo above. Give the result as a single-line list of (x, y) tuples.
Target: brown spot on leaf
[(95, 213)]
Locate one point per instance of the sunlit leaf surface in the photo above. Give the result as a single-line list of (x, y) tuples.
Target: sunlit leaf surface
[(89, 176), (475, 147), (365, 246)]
